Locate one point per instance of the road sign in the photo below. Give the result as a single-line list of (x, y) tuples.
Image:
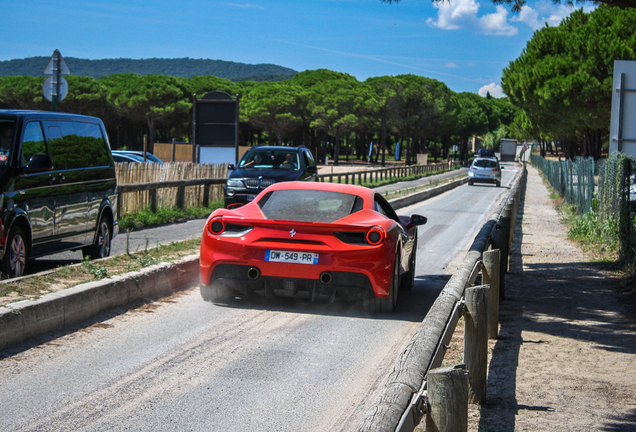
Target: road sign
[(48, 88), (55, 87), (56, 63)]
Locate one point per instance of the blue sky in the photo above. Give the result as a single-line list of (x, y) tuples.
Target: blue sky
[(465, 43)]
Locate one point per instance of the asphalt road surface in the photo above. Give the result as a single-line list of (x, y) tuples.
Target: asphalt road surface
[(250, 365)]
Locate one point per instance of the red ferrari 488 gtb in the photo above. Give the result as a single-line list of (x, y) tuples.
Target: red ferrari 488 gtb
[(313, 240)]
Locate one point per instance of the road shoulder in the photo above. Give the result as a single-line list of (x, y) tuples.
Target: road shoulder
[(567, 341)]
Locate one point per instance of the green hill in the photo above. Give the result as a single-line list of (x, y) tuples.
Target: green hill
[(183, 67)]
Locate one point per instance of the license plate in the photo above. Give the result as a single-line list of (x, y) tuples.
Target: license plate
[(291, 257), (251, 197)]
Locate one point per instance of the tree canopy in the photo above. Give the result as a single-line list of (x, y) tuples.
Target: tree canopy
[(563, 78), (330, 112)]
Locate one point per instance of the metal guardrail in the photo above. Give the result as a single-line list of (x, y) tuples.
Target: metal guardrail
[(401, 405), (380, 174)]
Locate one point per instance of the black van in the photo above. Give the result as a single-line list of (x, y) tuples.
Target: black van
[(57, 187)]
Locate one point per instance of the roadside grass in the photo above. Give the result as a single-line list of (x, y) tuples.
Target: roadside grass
[(598, 238), (146, 218), (31, 287)]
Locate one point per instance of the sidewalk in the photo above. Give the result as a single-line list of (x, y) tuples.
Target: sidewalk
[(565, 359)]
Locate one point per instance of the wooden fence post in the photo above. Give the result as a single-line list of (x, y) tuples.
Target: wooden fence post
[(174, 149), (491, 277), (476, 342), (152, 197), (447, 393), (206, 195), (180, 197)]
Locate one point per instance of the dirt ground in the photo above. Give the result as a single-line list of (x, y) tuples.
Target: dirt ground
[(565, 359)]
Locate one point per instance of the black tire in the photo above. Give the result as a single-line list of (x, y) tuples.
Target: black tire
[(387, 304), (470, 183), (214, 294), (408, 279), (16, 254), (101, 247)]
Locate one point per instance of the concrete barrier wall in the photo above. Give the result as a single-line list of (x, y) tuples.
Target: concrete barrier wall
[(29, 318)]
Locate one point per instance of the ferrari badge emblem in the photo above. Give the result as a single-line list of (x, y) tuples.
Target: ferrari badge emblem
[(292, 232)]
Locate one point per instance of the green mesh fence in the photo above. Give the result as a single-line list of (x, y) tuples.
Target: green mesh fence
[(574, 180), (614, 198)]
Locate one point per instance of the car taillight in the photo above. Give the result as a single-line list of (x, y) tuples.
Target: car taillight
[(216, 226), (375, 236)]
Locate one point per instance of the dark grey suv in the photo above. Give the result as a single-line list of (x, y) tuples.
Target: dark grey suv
[(265, 165), (57, 187)]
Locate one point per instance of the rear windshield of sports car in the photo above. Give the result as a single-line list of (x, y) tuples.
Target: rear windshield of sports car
[(309, 205)]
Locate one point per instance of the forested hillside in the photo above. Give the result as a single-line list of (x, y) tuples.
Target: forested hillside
[(183, 67)]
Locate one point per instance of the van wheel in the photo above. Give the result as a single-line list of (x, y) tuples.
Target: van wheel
[(15, 254), (101, 247)]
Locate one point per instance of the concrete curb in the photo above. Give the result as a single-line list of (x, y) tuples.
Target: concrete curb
[(29, 318)]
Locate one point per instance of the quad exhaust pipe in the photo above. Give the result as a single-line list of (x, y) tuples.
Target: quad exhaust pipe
[(325, 278), (253, 273)]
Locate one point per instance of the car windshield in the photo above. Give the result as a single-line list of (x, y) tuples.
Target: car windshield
[(7, 133), (270, 159), (485, 163), (309, 205)]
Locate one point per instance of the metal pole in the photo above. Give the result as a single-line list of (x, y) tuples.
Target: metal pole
[(56, 80)]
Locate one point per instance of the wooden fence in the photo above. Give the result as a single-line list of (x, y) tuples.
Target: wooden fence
[(417, 386), (182, 184)]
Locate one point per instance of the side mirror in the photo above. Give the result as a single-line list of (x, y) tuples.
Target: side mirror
[(39, 163), (231, 167), (416, 220), (312, 169)]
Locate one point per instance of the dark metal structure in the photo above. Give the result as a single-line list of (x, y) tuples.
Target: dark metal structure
[(215, 120)]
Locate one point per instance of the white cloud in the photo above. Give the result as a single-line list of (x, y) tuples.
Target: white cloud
[(464, 14), (542, 13), (495, 90), (450, 64), (497, 23)]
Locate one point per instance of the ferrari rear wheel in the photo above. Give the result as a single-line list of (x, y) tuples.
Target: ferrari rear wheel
[(408, 279), (214, 294), (387, 304)]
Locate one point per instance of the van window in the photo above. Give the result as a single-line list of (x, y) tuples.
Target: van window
[(76, 144), (56, 131), (32, 142), (93, 144)]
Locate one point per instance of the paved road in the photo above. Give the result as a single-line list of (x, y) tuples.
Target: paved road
[(257, 365)]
